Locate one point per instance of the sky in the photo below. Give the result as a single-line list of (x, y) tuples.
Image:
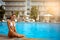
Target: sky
[(1, 2)]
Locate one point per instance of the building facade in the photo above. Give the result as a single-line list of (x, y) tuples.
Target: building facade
[(24, 6)]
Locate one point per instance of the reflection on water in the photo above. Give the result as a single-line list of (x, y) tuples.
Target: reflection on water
[(34, 30)]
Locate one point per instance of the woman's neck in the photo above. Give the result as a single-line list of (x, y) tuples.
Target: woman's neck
[(12, 20)]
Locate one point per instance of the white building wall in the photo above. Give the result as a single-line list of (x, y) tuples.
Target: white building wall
[(43, 6), (15, 8), (15, 3)]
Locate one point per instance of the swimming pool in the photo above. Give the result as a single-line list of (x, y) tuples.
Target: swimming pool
[(34, 29)]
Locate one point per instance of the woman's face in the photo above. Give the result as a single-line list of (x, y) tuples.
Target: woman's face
[(12, 18)]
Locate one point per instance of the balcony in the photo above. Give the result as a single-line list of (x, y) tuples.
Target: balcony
[(15, 8), (13, 0), (37, 3), (15, 3), (45, 0)]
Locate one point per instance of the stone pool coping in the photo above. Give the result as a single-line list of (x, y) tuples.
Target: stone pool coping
[(3, 37)]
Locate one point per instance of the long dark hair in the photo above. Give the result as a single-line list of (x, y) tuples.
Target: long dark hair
[(9, 17)]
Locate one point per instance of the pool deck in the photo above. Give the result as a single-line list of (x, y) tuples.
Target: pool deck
[(6, 38)]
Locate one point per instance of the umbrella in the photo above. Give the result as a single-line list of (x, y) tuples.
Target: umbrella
[(47, 15)]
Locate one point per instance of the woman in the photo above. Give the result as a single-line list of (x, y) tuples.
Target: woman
[(12, 31)]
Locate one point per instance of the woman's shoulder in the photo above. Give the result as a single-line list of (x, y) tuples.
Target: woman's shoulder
[(8, 20)]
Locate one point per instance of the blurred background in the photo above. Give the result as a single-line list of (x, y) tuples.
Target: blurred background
[(31, 10)]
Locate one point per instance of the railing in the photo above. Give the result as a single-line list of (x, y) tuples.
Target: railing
[(15, 3), (13, 0)]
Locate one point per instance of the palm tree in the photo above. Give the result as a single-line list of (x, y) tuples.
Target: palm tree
[(34, 13), (16, 13), (2, 12)]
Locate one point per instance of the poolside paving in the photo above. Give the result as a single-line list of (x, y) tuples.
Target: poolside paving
[(6, 38), (2, 37)]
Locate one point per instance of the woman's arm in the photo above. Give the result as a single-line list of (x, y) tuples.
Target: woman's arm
[(8, 22), (14, 26)]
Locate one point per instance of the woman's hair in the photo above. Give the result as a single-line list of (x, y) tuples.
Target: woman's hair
[(12, 13), (9, 17)]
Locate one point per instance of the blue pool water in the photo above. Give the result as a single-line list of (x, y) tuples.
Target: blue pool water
[(34, 30)]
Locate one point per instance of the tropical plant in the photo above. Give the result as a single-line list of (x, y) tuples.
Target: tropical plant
[(34, 13), (17, 12), (2, 12)]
